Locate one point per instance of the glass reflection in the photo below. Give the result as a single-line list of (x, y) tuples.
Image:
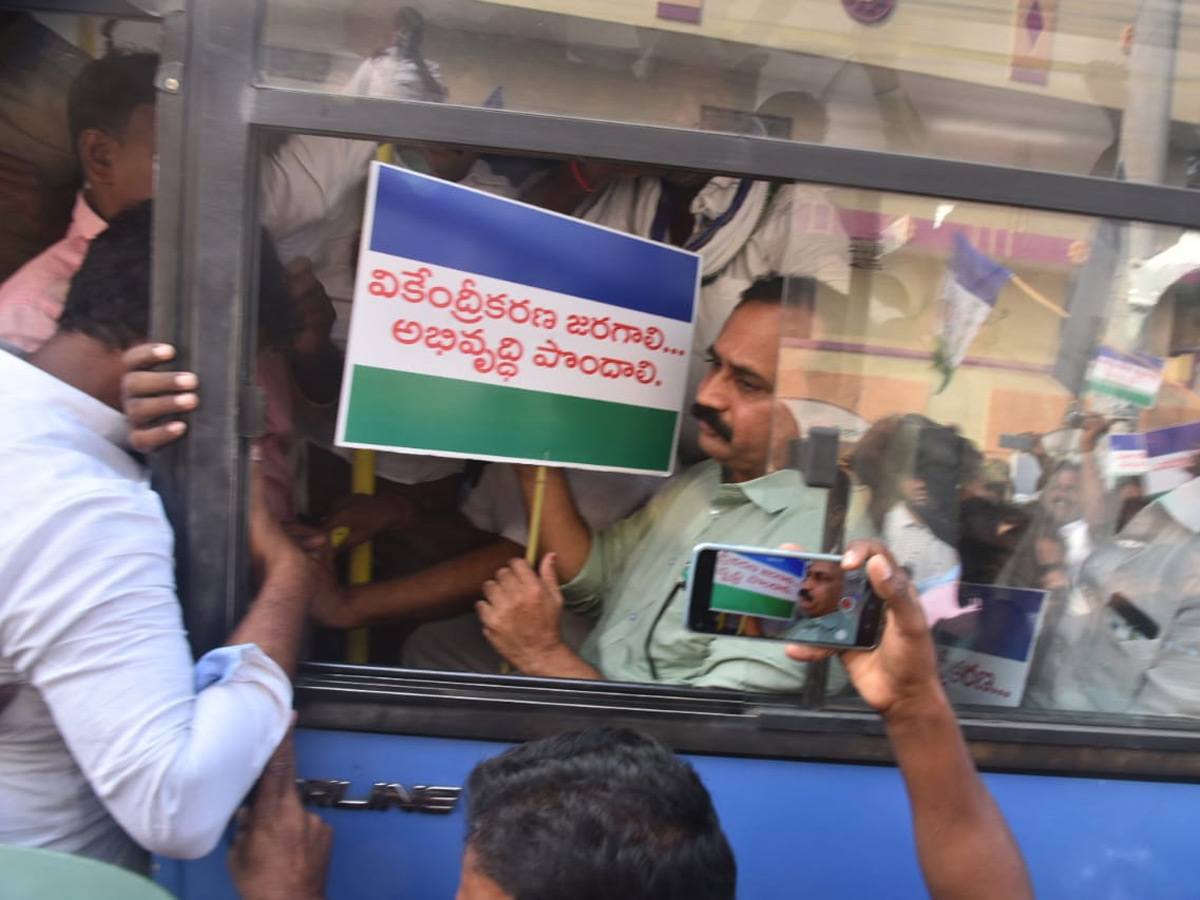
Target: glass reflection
[(1057, 87)]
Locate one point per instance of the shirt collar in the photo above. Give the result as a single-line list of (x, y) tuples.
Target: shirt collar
[(773, 493), (25, 379), (85, 221)]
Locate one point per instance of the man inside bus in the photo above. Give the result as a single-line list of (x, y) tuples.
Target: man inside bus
[(614, 815), (111, 117), (110, 111), (631, 575), (113, 742)]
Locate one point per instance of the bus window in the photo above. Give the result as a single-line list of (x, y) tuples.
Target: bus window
[(1015, 399), (1063, 86), (994, 381)]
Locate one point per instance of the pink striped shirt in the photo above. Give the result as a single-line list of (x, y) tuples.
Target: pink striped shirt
[(32, 298)]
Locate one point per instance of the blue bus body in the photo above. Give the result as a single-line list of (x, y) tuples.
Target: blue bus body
[(799, 829)]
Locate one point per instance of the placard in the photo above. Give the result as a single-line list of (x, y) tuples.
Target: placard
[(1127, 377), (984, 652), (486, 328)]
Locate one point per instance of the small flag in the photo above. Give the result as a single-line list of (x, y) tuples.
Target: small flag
[(1125, 377), (970, 288)]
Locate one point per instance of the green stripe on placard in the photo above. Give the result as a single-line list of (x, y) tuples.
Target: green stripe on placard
[(1121, 392), (737, 600), (403, 409)]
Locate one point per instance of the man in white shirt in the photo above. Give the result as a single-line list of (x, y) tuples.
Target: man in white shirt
[(113, 738)]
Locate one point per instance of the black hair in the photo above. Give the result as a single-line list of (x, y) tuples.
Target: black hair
[(912, 445), (109, 297), (107, 90), (602, 814), (772, 290), (768, 289)]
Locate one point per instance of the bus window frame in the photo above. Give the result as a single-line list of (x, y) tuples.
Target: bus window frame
[(213, 115)]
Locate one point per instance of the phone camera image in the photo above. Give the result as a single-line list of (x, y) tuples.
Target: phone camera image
[(806, 598)]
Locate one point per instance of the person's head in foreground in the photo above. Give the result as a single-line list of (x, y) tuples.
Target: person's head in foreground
[(593, 815)]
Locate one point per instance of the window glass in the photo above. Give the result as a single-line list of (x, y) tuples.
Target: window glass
[(1035, 84), (1015, 398), (1010, 393)]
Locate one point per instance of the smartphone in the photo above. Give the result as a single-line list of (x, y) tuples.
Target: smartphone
[(1140, 624), (1021, 442), (805, 598)]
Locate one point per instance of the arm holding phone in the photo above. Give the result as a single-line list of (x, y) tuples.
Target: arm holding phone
[(964, 845)]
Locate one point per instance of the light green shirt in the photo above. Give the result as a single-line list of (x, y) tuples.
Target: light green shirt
[(836, 627), (635, 566)]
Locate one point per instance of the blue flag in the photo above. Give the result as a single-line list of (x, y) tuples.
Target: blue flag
[(970, 288)]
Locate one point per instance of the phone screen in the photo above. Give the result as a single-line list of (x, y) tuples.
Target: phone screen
[(803, 597)]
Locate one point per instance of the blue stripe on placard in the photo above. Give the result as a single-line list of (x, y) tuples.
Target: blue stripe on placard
[(1174, 439), (441, 223)]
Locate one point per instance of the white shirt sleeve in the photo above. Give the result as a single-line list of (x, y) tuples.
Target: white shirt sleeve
[(307, 177), (497, 504), (98, 632)]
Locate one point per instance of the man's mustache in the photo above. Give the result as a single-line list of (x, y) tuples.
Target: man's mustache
[(713, 420)]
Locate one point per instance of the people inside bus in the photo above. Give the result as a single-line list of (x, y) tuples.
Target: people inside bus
[(311, 187), (110, 111), (115, 742), (610, 813), (630, 576), (313, 194)]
